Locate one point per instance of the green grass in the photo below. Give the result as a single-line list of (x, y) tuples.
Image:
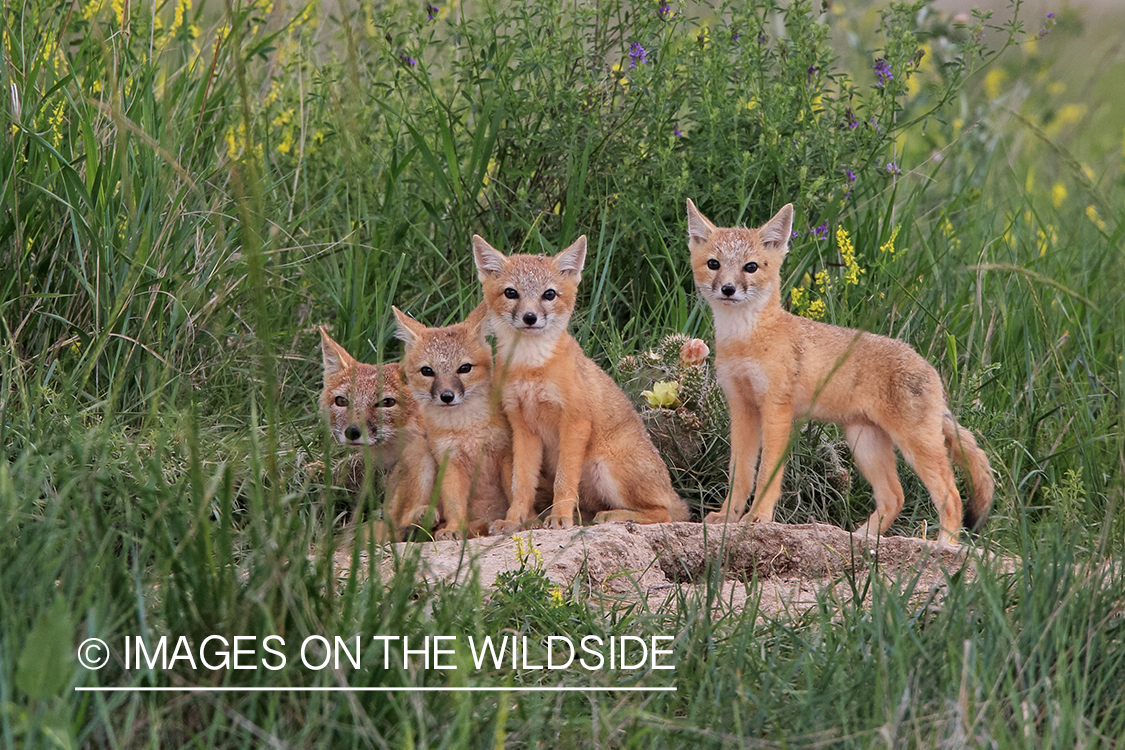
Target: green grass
[(180, 212)]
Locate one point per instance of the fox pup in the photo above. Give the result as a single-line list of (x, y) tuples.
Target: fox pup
[(775, 367), (567, 415), (367, 407), (449, 373)]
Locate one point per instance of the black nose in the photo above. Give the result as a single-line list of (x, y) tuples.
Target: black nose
[(352, 433), (529, 318), (728, 290), (447, 397)]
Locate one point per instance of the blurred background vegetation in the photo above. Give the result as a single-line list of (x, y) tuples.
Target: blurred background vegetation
[(189, 189)]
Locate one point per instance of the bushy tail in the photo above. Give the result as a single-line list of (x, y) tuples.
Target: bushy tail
[(678, 509), (963, 449)]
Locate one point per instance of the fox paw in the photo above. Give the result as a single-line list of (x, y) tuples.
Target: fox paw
[(719, 516), (504, 526), (448, 535), (558, 522)]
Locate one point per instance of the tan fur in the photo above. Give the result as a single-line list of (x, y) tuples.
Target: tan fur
[(775, 367), (467, 435), (379, 419), (569, 419)]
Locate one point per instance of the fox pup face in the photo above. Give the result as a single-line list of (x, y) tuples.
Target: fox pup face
[(444, 367), (532, 294), (737, 265), (365, 404)]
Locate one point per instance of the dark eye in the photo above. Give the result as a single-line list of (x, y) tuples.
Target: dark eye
[(713, 264), (464, 368), (388, 402), (428, 371), (511, 293), (340, 401), (750, 267), (549, 295)]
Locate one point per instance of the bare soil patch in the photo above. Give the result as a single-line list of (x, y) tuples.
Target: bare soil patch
[(791, 562)]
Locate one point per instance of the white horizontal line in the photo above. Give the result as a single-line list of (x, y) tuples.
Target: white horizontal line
[(514, 689)]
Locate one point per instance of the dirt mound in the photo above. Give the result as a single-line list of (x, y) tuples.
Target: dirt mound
[(629, 561)]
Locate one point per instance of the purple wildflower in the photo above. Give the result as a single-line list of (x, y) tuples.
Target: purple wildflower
[(1047, 27), (795, 234), (637, 54), (431, 11), (851, 122), (875, 125), (892, 168), (882, 69), (734, 36), (821, 232), (676, 130), (664, 12), (406, 60), (812, 72), (849, 174)]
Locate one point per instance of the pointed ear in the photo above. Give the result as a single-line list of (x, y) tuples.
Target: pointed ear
[(476, 321), (571, 261), (489, 260), (699, 227), (336, 358), (777, 231), (408, 329)]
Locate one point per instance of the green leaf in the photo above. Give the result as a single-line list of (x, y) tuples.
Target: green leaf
[(46, 663)]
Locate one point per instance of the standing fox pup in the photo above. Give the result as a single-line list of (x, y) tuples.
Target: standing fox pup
[(449, 373), (566, 414), (775, 367), (367, 407)]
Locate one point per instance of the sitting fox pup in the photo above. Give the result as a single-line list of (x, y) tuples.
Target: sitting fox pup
[(367, 407), (449, 373), (775, 367), (567, 415)]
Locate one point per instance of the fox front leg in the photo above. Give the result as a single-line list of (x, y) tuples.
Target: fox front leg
[(745, 442), (527, 455), (574, 438)]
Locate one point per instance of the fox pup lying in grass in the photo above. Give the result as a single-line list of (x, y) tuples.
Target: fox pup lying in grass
[(775, 367), (566, 414), (449, 374), (368, 408)]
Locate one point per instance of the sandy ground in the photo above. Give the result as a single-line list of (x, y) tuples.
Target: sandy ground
[(658, 564)]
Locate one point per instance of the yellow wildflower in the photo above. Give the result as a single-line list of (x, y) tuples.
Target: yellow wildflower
[(889, 245), (821, 281), (55, 122), (1058, 194), (1092, 214), (1067, 115), (847, 254), (526, 553), (994, 82), (556, 597), (664, 395), (817, 308), (950, 234)]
